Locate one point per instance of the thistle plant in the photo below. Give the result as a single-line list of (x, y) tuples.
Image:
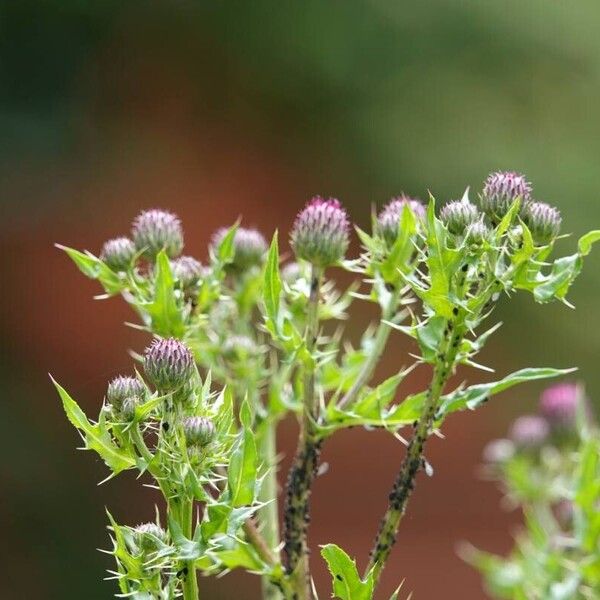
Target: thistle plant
[(549, 469), (246, 340)]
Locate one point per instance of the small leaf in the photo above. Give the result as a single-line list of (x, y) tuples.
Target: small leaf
[(242, 469), (94, 268), (96, 437), (347, 584), (587, 240), (272, 283), (430, 335)]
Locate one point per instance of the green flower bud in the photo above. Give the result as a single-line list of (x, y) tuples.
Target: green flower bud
[(124, 393), (198, 431), (118, 253), (320, 232), (187, 270), (250, 247), (149, 537), (478, 233), (169, 364), (542, 220), (459, 215), (155, 230)]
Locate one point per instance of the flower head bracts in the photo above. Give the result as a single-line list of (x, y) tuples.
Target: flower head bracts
[(249, 247), (501, 189), (320, 232), (118, 253), (169, 364), (155, 230), (390, 216)]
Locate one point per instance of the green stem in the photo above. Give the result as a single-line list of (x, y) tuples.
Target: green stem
[(379, 343), (413, 461), (269, 514), (190, 581), (304, 469)]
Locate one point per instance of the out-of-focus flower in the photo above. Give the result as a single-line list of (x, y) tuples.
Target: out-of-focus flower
[(498, 451), (529, 431), (118, 253), (249, 247), (388, 220), (558, 405), (187, 270)]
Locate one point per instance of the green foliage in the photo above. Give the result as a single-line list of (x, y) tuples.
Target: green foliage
[(347, 584)]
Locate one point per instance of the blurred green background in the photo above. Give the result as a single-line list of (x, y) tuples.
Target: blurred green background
[(214, 109)]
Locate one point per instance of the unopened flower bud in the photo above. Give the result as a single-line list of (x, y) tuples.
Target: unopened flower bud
[(123, 388), (501, 189), (250, 247), (458, 215), (478, 233), (542, 220), (155, 230), (558, 404), (388, 220), (168, 363), (149, 537), (118, 253), (320, 232), (498, 451), (529, 431), (198, 431), (187, 270)]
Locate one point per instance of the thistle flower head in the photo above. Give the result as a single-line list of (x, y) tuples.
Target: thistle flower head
[(168, 363), (122, 388), (149, 537), (250, 247), (478, 233), (156, 229), (498, 451), (543, 221), (529, 431), (118, 253), (388, 220), (320, 232), (187, 270), (558, 405), (198, 431), (458, 215), (501, 189)]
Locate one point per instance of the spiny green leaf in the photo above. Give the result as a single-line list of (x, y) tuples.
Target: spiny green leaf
[(347, 584), (96, 437), (272, 282), (242, 469), (94, 268)]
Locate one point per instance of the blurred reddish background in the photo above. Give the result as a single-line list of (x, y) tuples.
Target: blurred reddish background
[(213, 112)]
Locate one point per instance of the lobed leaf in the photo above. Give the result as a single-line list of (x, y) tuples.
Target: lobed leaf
[(347, 584)]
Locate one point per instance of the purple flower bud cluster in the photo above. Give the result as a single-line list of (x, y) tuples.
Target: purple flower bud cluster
[(124, 394), (459, 215), (388, 220), (543, 221), (118, 253), (198, 431), (501, 189), (320, 232), (155, 230), (169, 364)]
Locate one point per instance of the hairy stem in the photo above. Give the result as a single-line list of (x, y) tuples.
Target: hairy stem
[(304, 469), (413, 461), (379, 342), (269, 514)]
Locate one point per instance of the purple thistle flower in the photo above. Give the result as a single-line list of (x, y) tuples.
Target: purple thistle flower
[(529, 431), (498, 451), (168, 363), (187, 270), (558, 405), (501, 189), (388, 220), (250, 247), (458, 215), (198, 431), (118, 253), (123, 389), (155, 230), (542, 220), (320, 232)]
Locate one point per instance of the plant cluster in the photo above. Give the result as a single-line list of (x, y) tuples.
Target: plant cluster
[(244, 340), (549, 468)]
